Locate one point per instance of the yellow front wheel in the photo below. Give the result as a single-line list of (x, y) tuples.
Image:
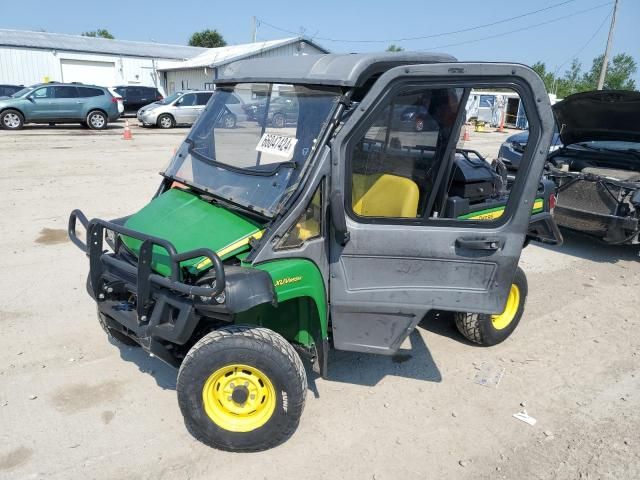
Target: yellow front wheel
[(493, 329), (242, 389)]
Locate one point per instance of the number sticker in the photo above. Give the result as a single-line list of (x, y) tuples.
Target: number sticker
[(279, 145)]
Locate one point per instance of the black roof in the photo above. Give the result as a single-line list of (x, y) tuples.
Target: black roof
[(334, 69)]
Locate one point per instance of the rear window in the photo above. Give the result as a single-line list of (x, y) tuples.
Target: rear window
[(203, 98), (121, 90), (65, 92), (89, 92)]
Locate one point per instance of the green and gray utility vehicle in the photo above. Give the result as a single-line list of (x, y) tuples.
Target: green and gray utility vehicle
[(322, 224)]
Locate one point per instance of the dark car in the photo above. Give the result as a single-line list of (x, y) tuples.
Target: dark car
[(282, 111), (513, 147), (8, 90), (52, 103), (135, 97), (597, 171)]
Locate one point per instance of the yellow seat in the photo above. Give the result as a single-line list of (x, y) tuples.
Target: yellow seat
[(384, 196)]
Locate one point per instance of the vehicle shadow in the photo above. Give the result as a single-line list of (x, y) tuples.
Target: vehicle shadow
[(369, 369), (114, 125), (590, 248), (164, 375), (443, 324)]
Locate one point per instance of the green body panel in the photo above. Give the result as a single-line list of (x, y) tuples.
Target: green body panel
[(301, 314), (188, 223)]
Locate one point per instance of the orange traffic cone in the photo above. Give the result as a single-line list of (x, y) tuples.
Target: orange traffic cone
[(465, 136), (126, 135), (501, 126)]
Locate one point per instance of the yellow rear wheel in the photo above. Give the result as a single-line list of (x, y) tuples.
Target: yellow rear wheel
[(487, 329), (503, 320)]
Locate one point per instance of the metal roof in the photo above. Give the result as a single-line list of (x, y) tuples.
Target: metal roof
[(215, 57), (333, 69), (78, 43)]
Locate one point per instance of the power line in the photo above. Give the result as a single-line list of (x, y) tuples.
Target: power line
[(453, 32), (604, 20), (529, 27)]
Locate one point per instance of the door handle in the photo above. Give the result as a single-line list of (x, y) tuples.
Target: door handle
[(491, 244)]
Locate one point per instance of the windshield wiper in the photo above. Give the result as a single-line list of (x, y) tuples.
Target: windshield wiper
[(248, 170), (631, 151)]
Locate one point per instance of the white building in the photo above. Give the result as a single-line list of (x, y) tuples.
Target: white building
[(32, 57), (201, 71)]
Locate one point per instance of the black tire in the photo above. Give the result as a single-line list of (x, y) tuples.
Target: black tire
[(229, 120), (278, 120), (84, 124), (258, 348), (96, 120), (165, 121), (480, 328), (11, 120), (117, 336)]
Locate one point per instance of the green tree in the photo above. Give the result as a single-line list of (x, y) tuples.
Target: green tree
[(620, 71), (547, 77), (99, 33), (394, 48), (207, 38)]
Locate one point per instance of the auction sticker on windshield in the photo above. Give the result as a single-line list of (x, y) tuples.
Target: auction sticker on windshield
[(279, 145)]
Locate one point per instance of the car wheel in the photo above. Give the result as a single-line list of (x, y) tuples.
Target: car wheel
[(419, 125), (242, 389), (488, 330), (166, 121), (84, 124), (96, 120), (229, 120), (11, 120), (278, 120)]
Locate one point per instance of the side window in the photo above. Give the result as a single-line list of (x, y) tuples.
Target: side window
[(86, 92), (187, 100), (44, 92), (487, 158), (65, 92), (308, 226), (203, 98), (394, 165)]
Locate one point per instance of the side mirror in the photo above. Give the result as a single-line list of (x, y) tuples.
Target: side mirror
[(336, 205)]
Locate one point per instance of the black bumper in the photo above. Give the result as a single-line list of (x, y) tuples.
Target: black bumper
[(611, 228), (155, 310)]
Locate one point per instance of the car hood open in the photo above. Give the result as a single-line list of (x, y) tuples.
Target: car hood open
[(599, 115)]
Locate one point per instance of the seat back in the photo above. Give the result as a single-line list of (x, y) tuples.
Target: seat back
[(385, 196)]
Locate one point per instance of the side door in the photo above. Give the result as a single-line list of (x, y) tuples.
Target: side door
[(39, 104), (66, 105), (401, 244), (186, 109)]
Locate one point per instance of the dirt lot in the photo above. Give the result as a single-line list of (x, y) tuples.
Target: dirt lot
[(74, 406)]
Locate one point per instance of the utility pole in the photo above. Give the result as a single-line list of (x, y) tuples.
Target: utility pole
[(254, 30), (605, 59)]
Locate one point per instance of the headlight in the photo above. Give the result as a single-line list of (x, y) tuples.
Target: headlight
[(506, 145)]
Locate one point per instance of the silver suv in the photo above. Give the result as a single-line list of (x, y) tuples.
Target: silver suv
[(180, 108)]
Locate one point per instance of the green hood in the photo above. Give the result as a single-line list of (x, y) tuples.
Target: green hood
[(189, 223)]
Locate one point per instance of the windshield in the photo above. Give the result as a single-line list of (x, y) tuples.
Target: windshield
[(252, 143), (169, 99), (20, 93)]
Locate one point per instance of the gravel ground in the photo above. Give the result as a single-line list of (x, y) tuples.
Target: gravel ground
[(74, 406)]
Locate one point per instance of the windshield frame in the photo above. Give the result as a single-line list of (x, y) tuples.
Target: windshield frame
[(314, 131)]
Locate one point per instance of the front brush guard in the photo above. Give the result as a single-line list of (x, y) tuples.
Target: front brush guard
[(99, 259)]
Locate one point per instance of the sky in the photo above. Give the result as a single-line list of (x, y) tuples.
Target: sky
[(578, 27)]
